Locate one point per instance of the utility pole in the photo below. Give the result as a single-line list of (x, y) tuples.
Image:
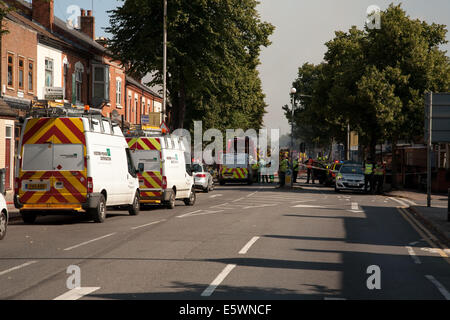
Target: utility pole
[(348, 141), (165, 63), (430, 148)]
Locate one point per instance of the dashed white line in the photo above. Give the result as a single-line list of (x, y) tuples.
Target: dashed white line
[(413, 255), (245, 249), (147, 225), (88, 242), (188, 214), (238, 199), (76, 293), (216, 195), (439, 286), (218, 280), (17, 268)]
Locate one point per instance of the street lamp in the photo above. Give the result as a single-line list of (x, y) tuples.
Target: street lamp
[(291, 163)]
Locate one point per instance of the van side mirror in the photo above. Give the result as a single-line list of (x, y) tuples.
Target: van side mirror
[(140, 168)]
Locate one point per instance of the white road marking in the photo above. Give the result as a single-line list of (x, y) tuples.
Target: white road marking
[(216, 195), (355, 206), (218, 280), (399, 201), (413, 255), (306, 206), (252, 194), (88, 242), (188, 214), (356, 211), (410, 202), (238, 199), (245, 249), (439, 286), (77, 293), (413, 243), (17, 268), (148, 224)]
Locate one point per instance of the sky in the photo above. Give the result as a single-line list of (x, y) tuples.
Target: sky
[(302, 28)]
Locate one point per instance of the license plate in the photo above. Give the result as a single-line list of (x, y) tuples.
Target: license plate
[(354, 184), (36, 186)]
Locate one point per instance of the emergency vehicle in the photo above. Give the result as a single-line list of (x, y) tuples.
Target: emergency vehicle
[(236, 163), (164, 172), (73, 160)]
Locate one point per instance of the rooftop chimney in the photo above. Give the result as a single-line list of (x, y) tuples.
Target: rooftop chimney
[(42, 13), (87, 23)]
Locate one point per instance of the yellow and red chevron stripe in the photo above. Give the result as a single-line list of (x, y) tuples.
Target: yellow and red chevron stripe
[(144, 143), (64, 187), (235, 173), (150, 180)]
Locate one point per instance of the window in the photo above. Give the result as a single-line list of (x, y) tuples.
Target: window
[(48, 72), (118, 92), (136, 106), (30, 76), (79, 84), (21, 73), (10, 70), (101, 82)]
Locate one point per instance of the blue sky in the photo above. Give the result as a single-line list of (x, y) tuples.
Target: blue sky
[(303, 26)]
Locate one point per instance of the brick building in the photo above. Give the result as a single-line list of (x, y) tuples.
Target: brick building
[(42, 51)]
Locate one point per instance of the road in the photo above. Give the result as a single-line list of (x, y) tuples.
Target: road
[(238, 242)]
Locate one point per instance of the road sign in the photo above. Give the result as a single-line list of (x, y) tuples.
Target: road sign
[(53, 93), (145, 119), (164, 127), (440, 117)]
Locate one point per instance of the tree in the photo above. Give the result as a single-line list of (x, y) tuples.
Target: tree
[(213, 52), (375, 80)]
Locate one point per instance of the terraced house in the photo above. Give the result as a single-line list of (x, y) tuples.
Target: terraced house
[(42, 56)]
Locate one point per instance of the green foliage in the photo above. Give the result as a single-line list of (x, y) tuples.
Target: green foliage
[(375, 79), (213, 52)]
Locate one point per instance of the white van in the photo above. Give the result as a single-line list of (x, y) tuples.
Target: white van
[(75, 163), (164, 175)]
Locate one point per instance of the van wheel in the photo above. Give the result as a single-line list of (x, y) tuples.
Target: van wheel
[(135, 207), (3, 224), (171, 203), (99, 214), (191, 200), (28, 217)]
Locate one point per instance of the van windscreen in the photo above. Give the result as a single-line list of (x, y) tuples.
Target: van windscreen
[(49, 157), (150, 159)]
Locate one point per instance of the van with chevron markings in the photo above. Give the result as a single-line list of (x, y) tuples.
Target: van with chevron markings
[(76, 162), (164, 169)]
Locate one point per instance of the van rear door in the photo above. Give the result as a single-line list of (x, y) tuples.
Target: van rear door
[(147, 152), (53, 169)]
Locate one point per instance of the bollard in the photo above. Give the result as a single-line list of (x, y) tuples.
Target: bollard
[(448, 206)]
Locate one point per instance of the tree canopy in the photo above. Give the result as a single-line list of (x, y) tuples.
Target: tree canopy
[(213, 51), (375, 80)]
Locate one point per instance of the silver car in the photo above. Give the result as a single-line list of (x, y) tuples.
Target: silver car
[(202, 178), (350, 177), (3, 217)]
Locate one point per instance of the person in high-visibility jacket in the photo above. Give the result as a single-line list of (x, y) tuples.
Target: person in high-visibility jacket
[(310, 172), (368, 175), (284, 166), (295, 167), (379, 173)]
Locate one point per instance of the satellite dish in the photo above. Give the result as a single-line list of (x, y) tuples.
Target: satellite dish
[(115, 114)]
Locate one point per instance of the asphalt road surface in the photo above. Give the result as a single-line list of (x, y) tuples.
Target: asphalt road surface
[(238, 242)]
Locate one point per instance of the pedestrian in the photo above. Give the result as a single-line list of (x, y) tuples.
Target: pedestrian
[(262, 170), (284, 165), (368, 175), (310, 170), (295, 170), (379, 174)]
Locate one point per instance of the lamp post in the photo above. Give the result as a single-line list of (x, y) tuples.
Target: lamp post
[(164, 111), (291, 163)]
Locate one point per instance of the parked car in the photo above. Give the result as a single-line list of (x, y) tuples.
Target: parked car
[(350, 177), (203, 179), (332, 171), (3, 217)]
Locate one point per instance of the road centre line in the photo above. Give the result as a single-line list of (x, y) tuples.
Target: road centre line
[(88, 242), (413, 255), (218, 280), (18, 267), (439, 286), (77, 293), (245, 249), (148, 224)]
